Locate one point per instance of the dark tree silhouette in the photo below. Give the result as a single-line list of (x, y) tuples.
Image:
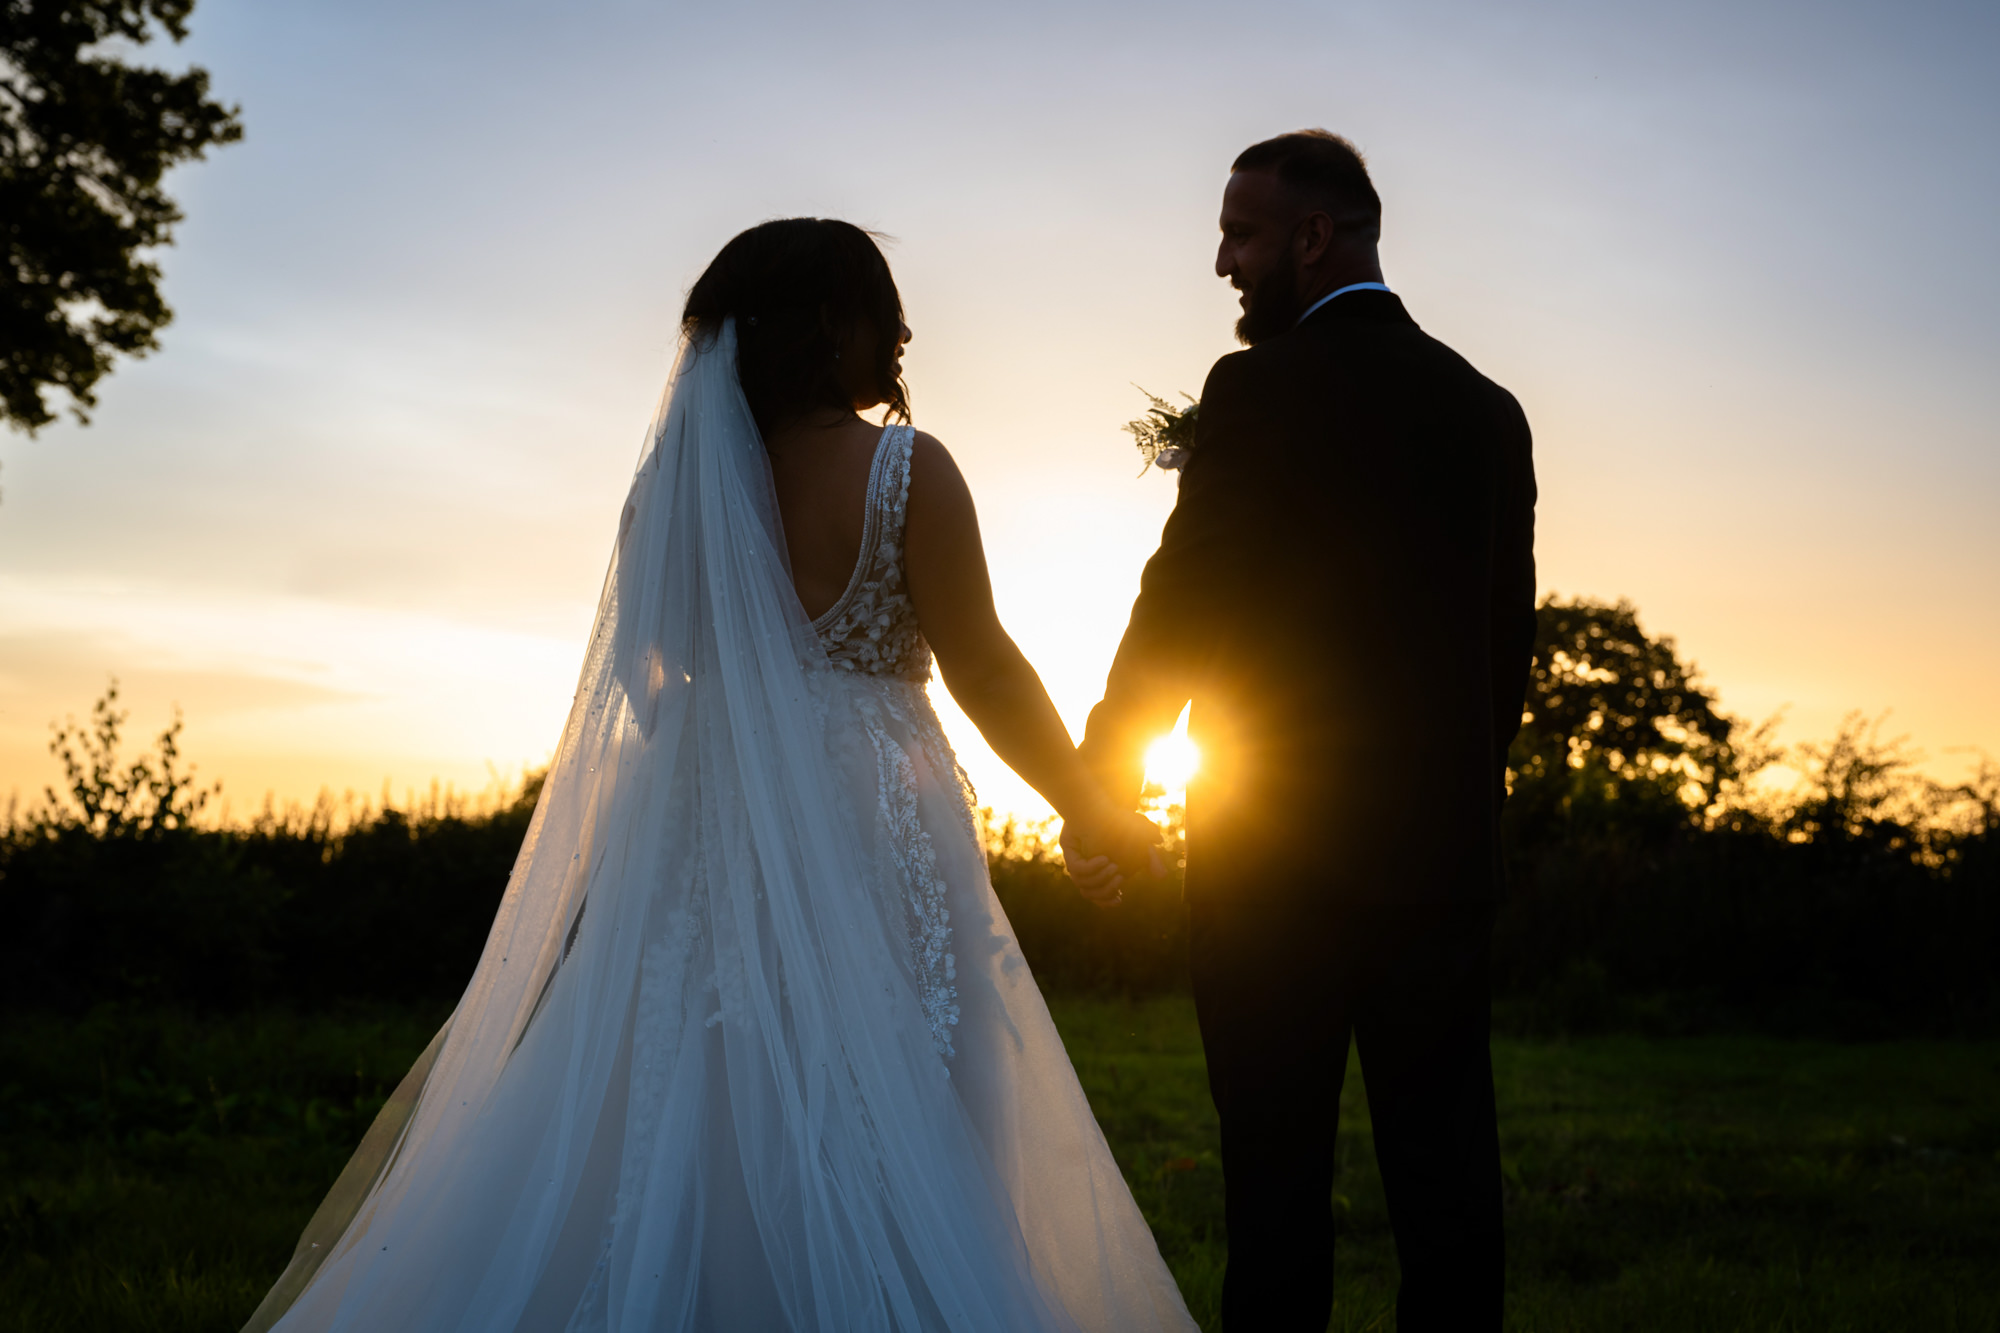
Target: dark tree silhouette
[(84, 141), (1614, 714)]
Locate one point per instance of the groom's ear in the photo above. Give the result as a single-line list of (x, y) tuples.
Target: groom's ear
[(1313, 238)]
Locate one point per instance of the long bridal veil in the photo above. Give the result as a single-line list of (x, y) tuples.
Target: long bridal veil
[(691, 1084)]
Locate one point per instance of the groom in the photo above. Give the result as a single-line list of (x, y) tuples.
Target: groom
[(1345, 590)]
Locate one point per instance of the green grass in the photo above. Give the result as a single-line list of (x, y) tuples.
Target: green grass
[(1690, 1184), (154, 1170)]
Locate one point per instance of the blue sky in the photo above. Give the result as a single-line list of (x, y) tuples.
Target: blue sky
[(1736, 261)]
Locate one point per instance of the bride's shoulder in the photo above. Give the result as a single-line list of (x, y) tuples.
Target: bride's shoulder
[(924, 445), (936, 484), (928, 457)]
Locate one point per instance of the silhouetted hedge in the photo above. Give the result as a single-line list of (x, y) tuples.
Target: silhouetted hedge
[(1687, 932), (116, 890), (1606, 927), (396, 908), (1652, 885)]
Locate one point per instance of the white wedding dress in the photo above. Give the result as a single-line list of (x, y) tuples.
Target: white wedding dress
[(751, 1046)]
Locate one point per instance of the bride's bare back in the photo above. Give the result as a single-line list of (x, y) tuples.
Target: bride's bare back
[(820, 466), (821, 458), (822, 481), (821, 471)]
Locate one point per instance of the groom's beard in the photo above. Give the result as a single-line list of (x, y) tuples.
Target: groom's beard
[(1272, 306)]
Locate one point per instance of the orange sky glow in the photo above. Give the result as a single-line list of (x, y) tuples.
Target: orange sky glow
[(354, 516)]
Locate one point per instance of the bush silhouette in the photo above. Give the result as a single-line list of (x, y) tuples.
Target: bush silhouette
[(1651, 883)]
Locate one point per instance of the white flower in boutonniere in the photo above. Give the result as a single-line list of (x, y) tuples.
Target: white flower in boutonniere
[(1165, 435)]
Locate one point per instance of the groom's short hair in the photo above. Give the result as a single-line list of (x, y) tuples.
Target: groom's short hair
[(1324, 168)]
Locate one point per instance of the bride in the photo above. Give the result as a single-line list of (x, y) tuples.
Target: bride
[(751, 1045)]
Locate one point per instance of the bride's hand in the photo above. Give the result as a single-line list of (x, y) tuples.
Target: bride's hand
[(1112, 848), (1095, 877)]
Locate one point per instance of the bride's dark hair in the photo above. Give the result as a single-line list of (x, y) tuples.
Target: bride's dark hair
[(800, 288)]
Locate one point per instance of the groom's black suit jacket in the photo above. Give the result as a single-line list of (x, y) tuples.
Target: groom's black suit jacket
[(1345, 590)]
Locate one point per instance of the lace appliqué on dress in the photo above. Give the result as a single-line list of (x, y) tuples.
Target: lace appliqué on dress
[(923, 720), (928, 924), (873, 627), (872, 630)]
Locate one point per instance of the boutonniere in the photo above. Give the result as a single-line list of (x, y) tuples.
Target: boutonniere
[(1165, 435)]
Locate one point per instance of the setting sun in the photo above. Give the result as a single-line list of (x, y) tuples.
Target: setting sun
[(1172, 759)]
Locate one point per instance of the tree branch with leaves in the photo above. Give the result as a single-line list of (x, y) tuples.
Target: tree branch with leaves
[(85, 139)]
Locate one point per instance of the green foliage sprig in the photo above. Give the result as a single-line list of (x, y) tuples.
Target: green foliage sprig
[(84, 141), (108, 798), (1165, 435)]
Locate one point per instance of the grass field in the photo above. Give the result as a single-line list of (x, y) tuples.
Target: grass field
[(154, 1171), (1693, 1184)]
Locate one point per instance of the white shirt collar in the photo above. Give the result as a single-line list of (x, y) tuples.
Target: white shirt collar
[(1350, 287)]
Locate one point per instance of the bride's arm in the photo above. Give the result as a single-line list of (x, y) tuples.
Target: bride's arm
[(983, 668)]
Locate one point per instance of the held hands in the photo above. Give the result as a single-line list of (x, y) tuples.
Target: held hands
[(1112, 846)]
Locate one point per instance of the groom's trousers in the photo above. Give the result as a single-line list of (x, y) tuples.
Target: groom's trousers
[(1280, 988)]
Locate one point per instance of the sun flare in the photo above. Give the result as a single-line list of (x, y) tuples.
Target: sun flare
[(1173, 759)]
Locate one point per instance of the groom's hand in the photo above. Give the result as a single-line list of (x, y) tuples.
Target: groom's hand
[(1099, 861), (1097, 878)]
